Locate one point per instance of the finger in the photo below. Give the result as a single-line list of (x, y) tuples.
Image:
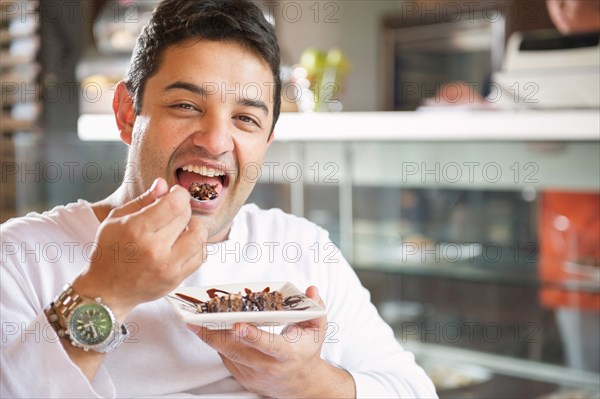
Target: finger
[(172, 218), (236, 370), (229, 344), (209, 333), (158, 189), (263, 341), (212, 335), (190, 248), (313, 293), (243, 374), (171, 213)]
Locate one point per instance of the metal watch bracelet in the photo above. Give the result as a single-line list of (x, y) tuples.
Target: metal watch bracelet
[(62, 306)]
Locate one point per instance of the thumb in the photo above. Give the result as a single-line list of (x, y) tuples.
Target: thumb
[(158, 189), (313, 293)]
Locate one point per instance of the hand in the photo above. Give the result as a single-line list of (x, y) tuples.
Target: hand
[(286, 365), (144, 249)]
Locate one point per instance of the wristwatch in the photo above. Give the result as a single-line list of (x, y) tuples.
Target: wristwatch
[(88, 323)]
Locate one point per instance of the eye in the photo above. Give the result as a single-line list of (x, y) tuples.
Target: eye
[(248, 120), (183, 107)]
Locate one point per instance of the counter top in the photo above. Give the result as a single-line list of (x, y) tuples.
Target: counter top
[(444, 124), (505, 365), (441, 125)]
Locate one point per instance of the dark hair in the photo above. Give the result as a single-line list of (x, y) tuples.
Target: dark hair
[(174, 21)]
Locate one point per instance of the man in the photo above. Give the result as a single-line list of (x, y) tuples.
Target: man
[(199, 104)]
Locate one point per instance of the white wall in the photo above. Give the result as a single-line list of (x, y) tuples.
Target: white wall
[(352, 25)]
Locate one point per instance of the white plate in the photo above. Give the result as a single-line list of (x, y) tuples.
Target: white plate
[(225, 320)]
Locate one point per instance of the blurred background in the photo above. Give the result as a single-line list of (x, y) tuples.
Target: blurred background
[(451, 148)]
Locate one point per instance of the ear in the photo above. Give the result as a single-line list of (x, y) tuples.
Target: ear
[(271, 138), (124, 114)]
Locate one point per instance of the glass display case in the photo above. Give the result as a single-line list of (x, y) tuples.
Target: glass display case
[(446, 236)]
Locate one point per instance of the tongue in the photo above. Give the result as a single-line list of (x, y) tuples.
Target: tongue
[(187, 178)]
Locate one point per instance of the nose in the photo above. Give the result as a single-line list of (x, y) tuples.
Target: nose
[(214, 134)]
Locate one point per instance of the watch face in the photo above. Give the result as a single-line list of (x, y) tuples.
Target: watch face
[(90, 324)]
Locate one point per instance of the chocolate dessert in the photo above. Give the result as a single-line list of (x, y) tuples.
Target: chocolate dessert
[(203, 191), (251, 302)]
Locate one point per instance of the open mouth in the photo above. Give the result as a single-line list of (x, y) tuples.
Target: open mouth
[(205, 183)]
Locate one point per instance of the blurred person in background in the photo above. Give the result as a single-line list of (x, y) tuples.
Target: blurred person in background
[(570, 17)]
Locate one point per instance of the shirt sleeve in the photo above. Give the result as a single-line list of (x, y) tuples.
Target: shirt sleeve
[(33, 362), (359, 341)]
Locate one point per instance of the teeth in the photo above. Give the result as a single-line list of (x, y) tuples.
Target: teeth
[(203, 170)]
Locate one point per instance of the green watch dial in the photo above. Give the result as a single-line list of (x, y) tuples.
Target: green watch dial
[(90, 324)]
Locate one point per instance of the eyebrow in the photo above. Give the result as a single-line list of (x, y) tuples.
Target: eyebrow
[(201, 91)]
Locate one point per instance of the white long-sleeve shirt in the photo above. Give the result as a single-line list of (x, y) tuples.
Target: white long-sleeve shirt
[(161, 357)]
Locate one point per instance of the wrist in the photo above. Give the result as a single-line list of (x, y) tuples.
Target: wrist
[(87, 287), (337, 382), (88, 323)]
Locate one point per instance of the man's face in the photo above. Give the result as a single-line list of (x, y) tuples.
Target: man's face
[(206, 117)]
